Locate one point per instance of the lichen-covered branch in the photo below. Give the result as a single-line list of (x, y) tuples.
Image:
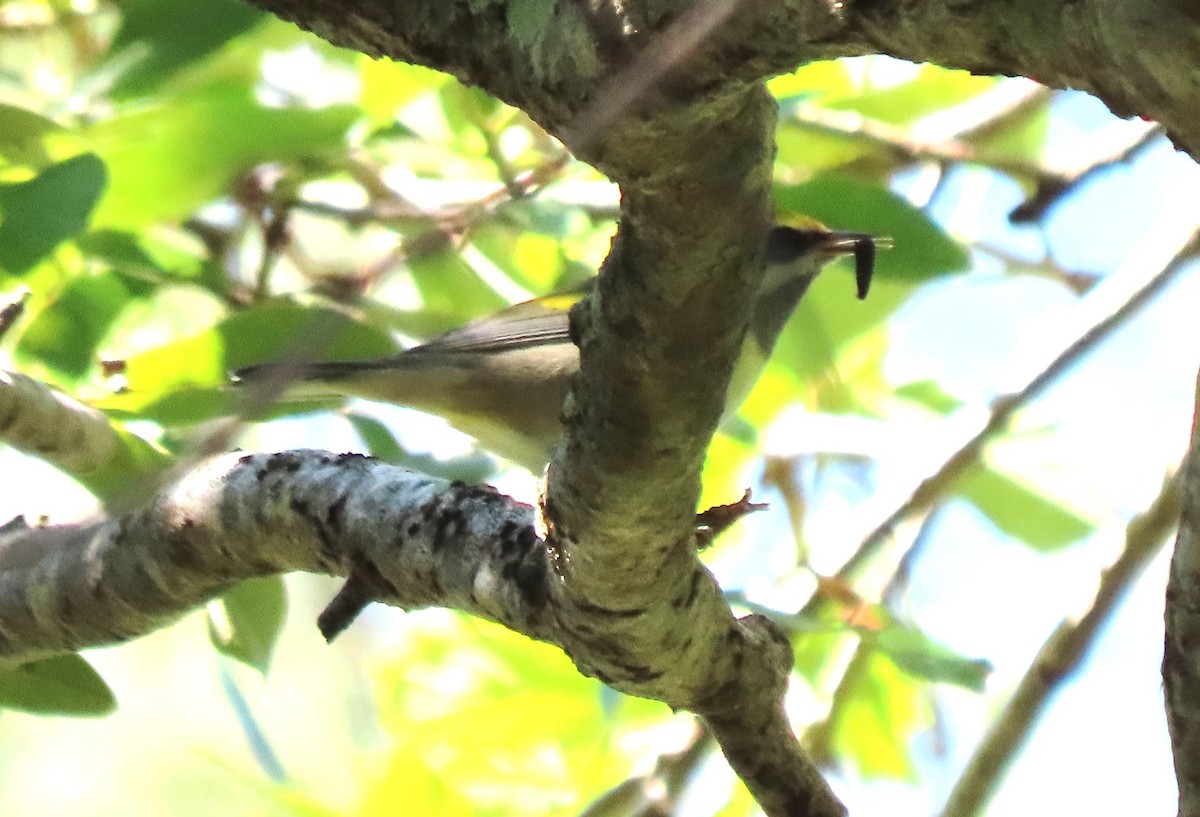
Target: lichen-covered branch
[(406, 539), (53, 427), (552, 60), (400, 537)]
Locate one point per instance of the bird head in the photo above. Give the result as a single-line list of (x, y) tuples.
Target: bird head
[(794, 255)]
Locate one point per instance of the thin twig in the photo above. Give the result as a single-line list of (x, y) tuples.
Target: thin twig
[(1117, 146), (657, 792), (1067, 646), (13, 309), (1062, 654), (934, 487), (631, 84)]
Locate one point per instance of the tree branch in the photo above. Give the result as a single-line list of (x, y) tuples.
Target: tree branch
[(413, 540), (1181, 660), (1108, 308), (405, 539), (47, 424), (1061, 655), (1137, 57)]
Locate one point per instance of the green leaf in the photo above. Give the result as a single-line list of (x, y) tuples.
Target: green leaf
[(450, 288), (151, 38), (23, 136), (453, 691), (38, 215), (65, 334), (1021, 511), (117, 248), (934, 89), (385, 86), (381, 443), (255, 335), (879, 711), (815, 80), (817, 348), (254, 613), (62, 685), (833, 345), (131, 474), (166, 160), (1018, 138), (930, 394), (918, 655), (532, 259), (921, 250)]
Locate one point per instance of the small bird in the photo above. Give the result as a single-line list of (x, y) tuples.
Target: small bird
[(503, 378)]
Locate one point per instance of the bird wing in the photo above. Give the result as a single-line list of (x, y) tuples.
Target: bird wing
[(532, 323)]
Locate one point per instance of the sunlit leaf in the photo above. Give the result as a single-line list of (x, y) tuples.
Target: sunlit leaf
[(920, 250), (814, 81), (511, 721), (136, 255), (930, 394), (880, 711), (62, 685), (532, 259), (166, 160), (450, 287), (933, 90), (1019, 137), (383, 444), (173, 406), (38, 215), (253, 617), (387, 85), (23, 136), (65, 334), (255, 335), (918, 655), (825, 327), (150, 42), (1021, 511)]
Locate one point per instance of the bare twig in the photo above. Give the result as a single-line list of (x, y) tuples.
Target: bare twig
[(657, 792), (11, 311), (632, 84), (1061, 655), (1115, 304), (1054, 179)]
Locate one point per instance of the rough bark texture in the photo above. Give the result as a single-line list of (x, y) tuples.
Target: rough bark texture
[(399, 537), (70, 435), (1181, 656), (1140, 58)]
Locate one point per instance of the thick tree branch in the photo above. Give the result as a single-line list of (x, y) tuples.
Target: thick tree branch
[(409, 540), (1137, 57)]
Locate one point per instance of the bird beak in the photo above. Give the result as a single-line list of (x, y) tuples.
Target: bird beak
[(863, 247)]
